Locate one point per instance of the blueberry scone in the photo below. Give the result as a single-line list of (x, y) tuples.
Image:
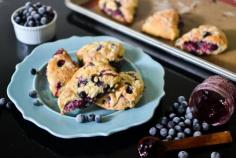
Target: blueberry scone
[(60, 69), (163, 24), (204, 40), (120, 10), (87, 84), (101, 53), (127, 94)]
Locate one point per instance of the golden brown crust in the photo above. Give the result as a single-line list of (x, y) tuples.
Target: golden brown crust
[(163, 24), (60, 69), (215, 36), (126, 95), (120, 10)]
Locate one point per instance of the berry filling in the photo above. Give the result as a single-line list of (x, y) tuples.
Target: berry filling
[(111, 12), (82, 82), (200, 47), (58, 87), (129, 89), (72, 105), (59, 51), (60, 63), (99, 47), (205, 34)]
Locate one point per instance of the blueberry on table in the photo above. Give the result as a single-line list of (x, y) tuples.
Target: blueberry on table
[(152, 131), (182, 154), (187, 131), (189, 115), (205, 126), (33, 94), (80, 118), (172, 115), (169, 137), (196, 127), (176, 119), (180, 135), (184, 103), (178, 128), (163, 132), (197, 133), (98, 118), (170, 124), (159, 126), (171, 132), (3, 101), (181, 124), (187, 122), (215, 155), (181, 99)]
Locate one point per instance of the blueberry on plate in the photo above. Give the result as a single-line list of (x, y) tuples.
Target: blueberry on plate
[(36, 102), (197, 133), (169, 137), (98, 118), (33, 71), (152, 131), (172, 115), (33, 94), (3, 101), (182, 154), (91, 117), (80, 118), (215, 155)]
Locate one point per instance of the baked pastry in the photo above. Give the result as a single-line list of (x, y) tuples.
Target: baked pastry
[(163, 24), (120, 10), (204, 40), (87, 84), (101, 53), (127, 94), (60, 69)]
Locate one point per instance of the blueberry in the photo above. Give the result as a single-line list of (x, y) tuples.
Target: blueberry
[(91, 117), (171, 132), (31, 23), (180, 135), (187, 122), (33, 71), (189, 115), (41, 10), (38, 4), (169, 137), (172, 115), (195, 121), (188, 110), (98, 118), (49, 9), (30, 9), (176, 105), (215, 155), (182, 154), (181, 110), (36, 102), (181, 124), (80, 118), (152, 131), (159, 126), (181, 99), (3, 101), (36, 16), (187, 131), (176, 138), (43, 20), (33, 94), (176, 119), (82, 94), (184, 103), (196, 127), (197, 133), (170, 124), (178, 128), (17, 19), (163, 132), (164, 120), (28, 4), (9, 105), (205, 126), (33, 13), (29, 18)]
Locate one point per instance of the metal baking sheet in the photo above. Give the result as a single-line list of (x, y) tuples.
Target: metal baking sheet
[(193, 14)]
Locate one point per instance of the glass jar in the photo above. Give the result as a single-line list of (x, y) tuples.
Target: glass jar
[(213, 100)]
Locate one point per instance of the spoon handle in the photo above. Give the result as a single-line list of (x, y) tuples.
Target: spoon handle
[(200, 141)]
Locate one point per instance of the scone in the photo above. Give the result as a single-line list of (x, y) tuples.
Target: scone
[(204, 40), (126, 95), (120, 10), (60, 69), (87, 84), (163, 24), (101, 53)]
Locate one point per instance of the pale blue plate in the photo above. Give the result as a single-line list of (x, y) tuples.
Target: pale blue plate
[(47, 116)]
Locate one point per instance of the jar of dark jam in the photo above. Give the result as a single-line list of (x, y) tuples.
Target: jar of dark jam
[(213, 100)]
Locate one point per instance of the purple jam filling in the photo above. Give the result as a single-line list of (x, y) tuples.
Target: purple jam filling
[(58, 87), (206, 34), (99, 47), (74, 105), (82, 81), (60, 63), (59, 51), (199, 47)]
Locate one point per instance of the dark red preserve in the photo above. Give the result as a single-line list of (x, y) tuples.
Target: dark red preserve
[(213, 100)]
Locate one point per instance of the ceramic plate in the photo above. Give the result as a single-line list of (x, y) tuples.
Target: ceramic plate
[(65, 126)]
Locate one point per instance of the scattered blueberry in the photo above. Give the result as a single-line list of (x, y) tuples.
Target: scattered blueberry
[(169, 137), (181, 99), (33, 94), (182, 154), (172, 115), (91, 117), (187, 131), (159, 126), (170, 124), (176, 119), (171, 132), (153, 131), (163, 132), (3, 101), (33, 71), (197, 133), (36, 102), (164, 120), (188, 122), (178, 128), (98, 118), (80, 118), (205, 126), (215, 155), (180, 135)]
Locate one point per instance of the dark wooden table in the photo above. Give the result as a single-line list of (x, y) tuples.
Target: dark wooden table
[(21, 138)]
